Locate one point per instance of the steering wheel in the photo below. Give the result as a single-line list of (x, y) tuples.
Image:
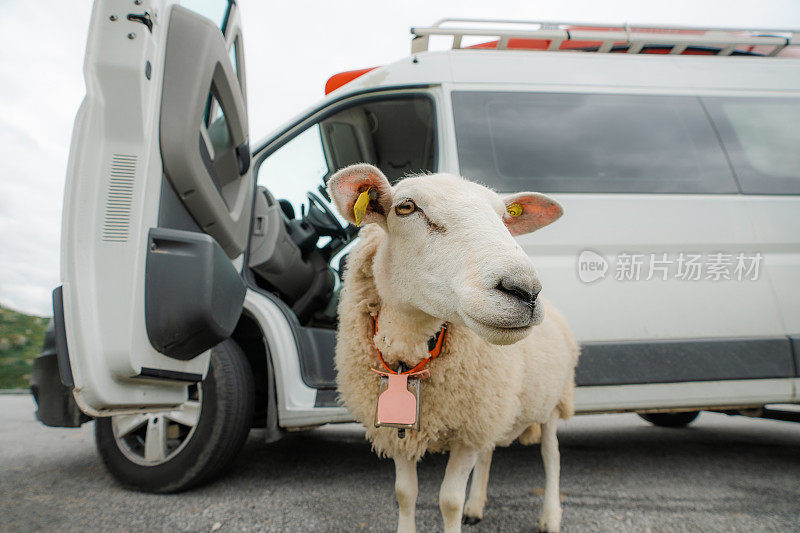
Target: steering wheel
[(323, 219)]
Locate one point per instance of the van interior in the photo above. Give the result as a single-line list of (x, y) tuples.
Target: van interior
[(292, 254)]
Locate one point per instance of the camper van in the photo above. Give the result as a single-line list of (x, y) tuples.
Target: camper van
[(200, 266)]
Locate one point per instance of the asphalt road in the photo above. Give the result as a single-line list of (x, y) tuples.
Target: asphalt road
[(618, 474)]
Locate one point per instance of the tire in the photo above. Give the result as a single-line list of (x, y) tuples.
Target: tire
[(670, 420), (188, 454)]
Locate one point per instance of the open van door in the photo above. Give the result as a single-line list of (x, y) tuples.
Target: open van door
[(157, 204)]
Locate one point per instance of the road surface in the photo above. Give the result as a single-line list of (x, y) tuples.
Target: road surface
[(618, 474)]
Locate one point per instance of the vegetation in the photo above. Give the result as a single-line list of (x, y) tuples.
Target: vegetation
[(21, 338)]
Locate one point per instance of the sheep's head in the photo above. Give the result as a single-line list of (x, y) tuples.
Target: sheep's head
[(449, 250)]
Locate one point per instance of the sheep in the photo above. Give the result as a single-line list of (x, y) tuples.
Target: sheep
[(437, 249)]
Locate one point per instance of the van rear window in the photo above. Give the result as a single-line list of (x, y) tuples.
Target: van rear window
[(567, 142), (762, 140)]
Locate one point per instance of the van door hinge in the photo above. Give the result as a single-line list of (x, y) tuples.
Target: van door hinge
[(243, 157)]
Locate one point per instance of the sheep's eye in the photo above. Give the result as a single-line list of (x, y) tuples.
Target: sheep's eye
[(405, 208)]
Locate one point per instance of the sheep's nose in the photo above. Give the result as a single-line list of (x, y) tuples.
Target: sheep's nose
[(522, 291)]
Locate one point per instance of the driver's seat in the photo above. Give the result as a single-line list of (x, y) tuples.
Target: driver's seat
[(304, 283)]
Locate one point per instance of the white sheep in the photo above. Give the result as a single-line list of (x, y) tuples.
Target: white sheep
[(439, 249)]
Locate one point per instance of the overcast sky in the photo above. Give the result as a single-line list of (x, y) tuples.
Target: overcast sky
[(291, 48)]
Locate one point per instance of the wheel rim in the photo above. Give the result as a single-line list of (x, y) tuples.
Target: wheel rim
[(151, 439)]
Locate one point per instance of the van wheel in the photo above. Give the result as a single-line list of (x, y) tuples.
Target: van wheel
[(171, 451), (670, 420)]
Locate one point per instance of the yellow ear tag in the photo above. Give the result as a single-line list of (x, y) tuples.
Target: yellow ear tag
[(514, 209), (360, 207)]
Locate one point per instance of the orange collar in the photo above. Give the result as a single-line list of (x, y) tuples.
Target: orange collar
[(432, 354)]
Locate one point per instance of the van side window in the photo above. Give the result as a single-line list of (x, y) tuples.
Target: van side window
[(295, 168), (397, 134), (569, 142), (216, 10), (761, 137)]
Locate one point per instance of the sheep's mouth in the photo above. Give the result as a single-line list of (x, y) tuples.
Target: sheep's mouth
[(497, 327), (495, 333), (504, 328)]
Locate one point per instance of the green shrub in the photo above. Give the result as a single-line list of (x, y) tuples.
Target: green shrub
[(21, 338)]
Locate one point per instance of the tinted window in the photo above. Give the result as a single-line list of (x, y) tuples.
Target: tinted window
[(234, 53), (761, 137), (559, 142), (216, 10)]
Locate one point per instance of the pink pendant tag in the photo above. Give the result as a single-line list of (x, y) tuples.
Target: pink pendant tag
[(397, 405), (398, 399)]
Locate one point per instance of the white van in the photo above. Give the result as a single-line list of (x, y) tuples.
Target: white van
[(200, 270)]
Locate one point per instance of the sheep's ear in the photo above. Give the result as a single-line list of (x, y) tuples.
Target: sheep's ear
[(529, 211), (362, 194)]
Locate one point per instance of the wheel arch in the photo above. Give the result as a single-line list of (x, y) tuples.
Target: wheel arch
[(250, 337)]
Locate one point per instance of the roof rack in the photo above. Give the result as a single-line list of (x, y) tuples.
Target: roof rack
[(605, 38)]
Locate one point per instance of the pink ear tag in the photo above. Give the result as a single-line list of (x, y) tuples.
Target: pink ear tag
[(398, 400)]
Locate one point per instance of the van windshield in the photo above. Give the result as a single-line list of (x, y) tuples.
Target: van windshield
[(568, 142)]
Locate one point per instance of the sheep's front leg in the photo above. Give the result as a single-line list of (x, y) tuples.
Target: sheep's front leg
[(473, 510), (454, 486), (405, 488), (550, 519)]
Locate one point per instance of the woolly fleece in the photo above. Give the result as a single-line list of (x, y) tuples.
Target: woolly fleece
[(480, 395)]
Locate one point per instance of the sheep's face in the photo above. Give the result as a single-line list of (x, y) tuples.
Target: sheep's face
[(449, 250)]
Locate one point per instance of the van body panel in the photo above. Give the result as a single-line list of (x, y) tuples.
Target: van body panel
[(745, 321)]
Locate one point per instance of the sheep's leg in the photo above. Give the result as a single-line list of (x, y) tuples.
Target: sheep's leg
[(550, 519), (454, 486), (473, 511), (405, 488)]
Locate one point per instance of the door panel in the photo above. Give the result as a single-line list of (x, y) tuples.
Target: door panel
[(611, 309), (120, 189), (206, 151), (777, 224)]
